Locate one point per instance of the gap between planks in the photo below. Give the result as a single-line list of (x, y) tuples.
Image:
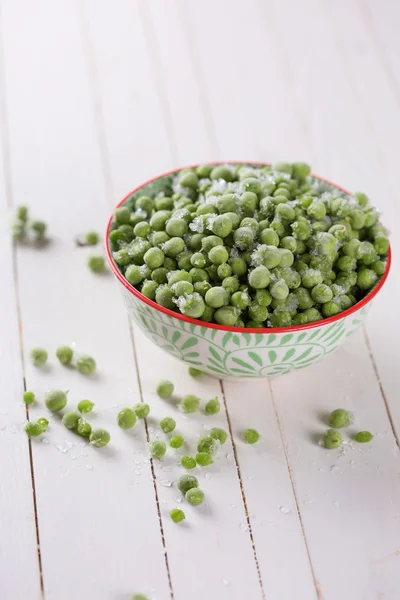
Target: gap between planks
[(5, 157), (240, 479), (289, 469)]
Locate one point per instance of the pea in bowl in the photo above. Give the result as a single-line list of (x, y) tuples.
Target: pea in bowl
[(294, 295)]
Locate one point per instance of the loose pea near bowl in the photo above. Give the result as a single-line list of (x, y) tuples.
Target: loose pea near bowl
[(234, 352)]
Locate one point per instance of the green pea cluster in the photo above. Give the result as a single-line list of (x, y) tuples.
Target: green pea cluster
[(246, 246), (338, 419), (22, 226)]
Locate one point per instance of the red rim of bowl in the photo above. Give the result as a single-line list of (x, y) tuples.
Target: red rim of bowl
[(181, 317)]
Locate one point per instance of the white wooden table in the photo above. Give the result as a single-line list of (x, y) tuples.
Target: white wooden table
[(96, 97)]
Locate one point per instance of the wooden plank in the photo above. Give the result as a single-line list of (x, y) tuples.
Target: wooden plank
[(231, 575), (19, 552), (96, 508)]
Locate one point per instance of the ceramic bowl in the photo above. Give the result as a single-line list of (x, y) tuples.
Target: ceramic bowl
[(232, 352)]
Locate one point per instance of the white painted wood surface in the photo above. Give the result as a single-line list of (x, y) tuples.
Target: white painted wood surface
[(96, 97)]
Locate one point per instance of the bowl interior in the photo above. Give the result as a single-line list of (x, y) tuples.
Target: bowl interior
[(163, 184)]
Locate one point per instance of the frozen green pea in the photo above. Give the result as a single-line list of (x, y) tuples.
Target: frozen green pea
[(251, 436), (195, 496), (321, 293), (192, 305), (195, 372), (339, 418), (86, 364), (168, 424), (44, 423), (39, 356), (158, 238), (379, 267), (300, 170), (64, 354), (96, 264), (33, 429), (243, 237), (157, 449), (126, 418), (331, 439), (198, 260), (188, 462), (91, 238), (366, 279), (204, 459), (84, 429), (189, 404), (289, 243), (361, 198), (217, 297), (99, 438), (187, 482), (224, 271), (227, 316), (210, 242), (230, 284), (257, 312), (55, 400), (141, 410), (238, 266), (138, 597), (208, 314), (346, 263), (182, 287), (159, 219), (206, 444), (71, 419), (363, 437), (39, 227), (164, 389), (149, 289), (279, 289), (154, 258), (22, 213), (177, 515), (381, 246), (330, 308), (280, 319), (173, 247), (203, 171), (159, 276), (240, 300), (165, 296), (218, 255), (212, 407), (133, 274), (221, 225), (311, 278), (163, 203), (144, 203), (176, 441), (122, 215), (29, 398), (259, 277), (189, 180), (142, 229), (219, 435)]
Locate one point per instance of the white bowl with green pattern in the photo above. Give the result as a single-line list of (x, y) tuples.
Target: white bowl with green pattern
[(232, 352)]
